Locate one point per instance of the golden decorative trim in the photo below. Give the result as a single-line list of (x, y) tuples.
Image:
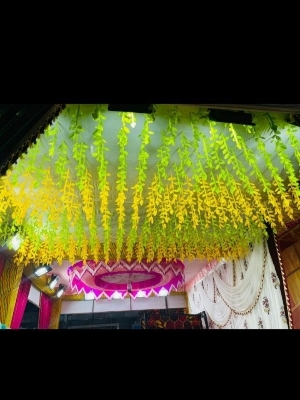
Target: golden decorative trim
[(55, 314), (40, 283), (9, 286), (73, 297)]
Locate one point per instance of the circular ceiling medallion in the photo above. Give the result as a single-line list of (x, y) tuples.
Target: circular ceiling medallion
[(122, 278)]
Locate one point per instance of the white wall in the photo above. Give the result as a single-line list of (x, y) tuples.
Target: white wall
[(105, 305), (177, 301), (152, 303), (77, 307), (127, 304)]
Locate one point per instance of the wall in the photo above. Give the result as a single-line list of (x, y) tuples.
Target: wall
[(127, 304), (34, 296)]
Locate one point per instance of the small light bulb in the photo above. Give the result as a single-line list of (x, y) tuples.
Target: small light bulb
[(163, 292), (141, 293), (117, 295), (90, 296)]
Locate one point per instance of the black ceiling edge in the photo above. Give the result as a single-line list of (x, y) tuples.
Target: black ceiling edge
[(137, 108), (285, 108), (20, 130), (235, 117)]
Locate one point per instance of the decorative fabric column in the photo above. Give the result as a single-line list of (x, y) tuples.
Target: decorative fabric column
[(21, 302), (45, 311), (55, 313), (2, 263), (9, 286)]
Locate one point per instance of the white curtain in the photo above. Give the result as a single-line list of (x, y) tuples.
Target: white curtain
[(242, 294)]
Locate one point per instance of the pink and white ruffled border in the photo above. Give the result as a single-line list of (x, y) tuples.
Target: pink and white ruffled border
[(203, 273), (172, 273)]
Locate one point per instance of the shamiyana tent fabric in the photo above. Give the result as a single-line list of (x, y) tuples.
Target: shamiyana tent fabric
[(172, 184)]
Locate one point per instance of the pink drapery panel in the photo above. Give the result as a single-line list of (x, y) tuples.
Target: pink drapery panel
[(45, 311), (21, 302), (2, 262)]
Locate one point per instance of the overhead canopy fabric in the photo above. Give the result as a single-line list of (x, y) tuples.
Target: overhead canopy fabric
[(172, 184)]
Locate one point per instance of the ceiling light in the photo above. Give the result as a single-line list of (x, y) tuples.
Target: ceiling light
[(89, 296), (163, 292), (53, 281), (117, 296), (42, 270), (61, 290), (141, 293)]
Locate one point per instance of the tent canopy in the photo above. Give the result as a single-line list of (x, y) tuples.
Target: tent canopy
[(168, 184)]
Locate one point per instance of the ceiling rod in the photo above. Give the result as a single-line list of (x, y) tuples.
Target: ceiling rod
[(287, 108)]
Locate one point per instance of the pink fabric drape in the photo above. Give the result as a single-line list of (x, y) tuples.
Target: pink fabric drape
[(2, 262), (21, 302), (45, 311)]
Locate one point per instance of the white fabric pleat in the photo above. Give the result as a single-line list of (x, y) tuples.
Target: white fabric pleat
[(244, 294)]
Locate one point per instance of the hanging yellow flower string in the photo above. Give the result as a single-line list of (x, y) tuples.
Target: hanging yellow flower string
[(121, 183), (138, 188), (103, 185), (199, 200)]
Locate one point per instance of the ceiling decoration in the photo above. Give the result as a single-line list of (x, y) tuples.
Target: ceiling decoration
[(118, 279), (173, 184)]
